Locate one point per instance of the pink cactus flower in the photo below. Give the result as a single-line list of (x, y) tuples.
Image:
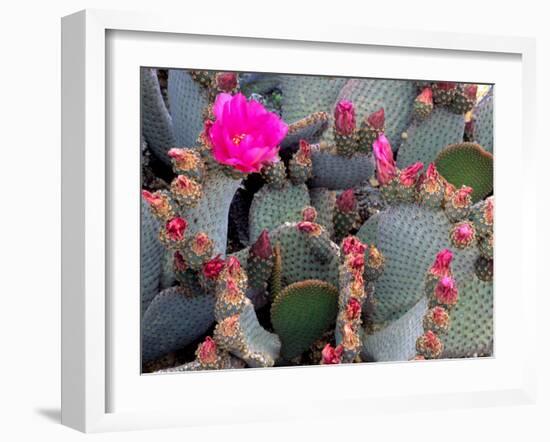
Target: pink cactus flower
[(211, 269), (446, 291), (262, 247), (351, 245), (353, 309), (331, 355), (207, 351), (175, 228), (346, 201), (226, 81), (426, 96), (470, 90), (377, 119), (442, 264), (245, 135), (385, 164), (344, 117), (409, 175)]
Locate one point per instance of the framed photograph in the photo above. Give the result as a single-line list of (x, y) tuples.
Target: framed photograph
[(251, 214)]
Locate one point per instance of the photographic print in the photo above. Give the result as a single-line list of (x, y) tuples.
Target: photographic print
[(298, 220)]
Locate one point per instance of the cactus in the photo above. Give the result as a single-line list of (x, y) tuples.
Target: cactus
[(467, 164), (301, 313), (300, 221)]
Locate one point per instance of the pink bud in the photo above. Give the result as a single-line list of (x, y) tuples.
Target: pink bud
[(353, 309), (175, 228), (179, 262), (470, 90), (346, 201), (357, 262), (309, 214), (377, 119), (183, 182), (462, 197), (431, 342), (385, 164), (307, 227), (442, 264), (446, 291), (489, 208), (426, 96), (432, 173), (211, 269), (226, 81), (351, 244), (233, 266), (207, 351), (262, 247), (332, 355), (305, 149), (446, 85), (440, 316), (463, 234), (155, 200), (205, 134), (344, 117), (409, 175)]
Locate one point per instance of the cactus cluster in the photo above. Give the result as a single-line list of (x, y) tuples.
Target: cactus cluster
[(294, 220)]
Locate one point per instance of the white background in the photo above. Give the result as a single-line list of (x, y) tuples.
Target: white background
[(29, 243)]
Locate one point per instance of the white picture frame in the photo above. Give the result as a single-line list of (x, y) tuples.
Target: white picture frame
[(87, 352)]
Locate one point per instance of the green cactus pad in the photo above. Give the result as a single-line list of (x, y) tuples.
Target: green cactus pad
[(309, 128), (187, 103), (471, 331), (395, 96), (151, 256), (299, 262), (401, 235), (174, 319), (304, 95), (272, 207), (336, 172), (483, 122), (156, 122), (427, 138), (467, 164), (301, 313)]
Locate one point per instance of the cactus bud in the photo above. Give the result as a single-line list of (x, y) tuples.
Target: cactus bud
[(446, 292), (344, 117), (207, 352), (470, 91), (159, 203), (226, 81), (376, 120), (442, 264), (429, 345), (179, 262), (211, 269), (423, 104), (233, 266), (309, 214), (357, 262), (426, 96), (346, 201), (351, 245), (309, 227), (262, 247), (437, 319), (385, 164), (353, 309), (409, 175), (462, 234), (186, 191), (331, 355), (175, 229)]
